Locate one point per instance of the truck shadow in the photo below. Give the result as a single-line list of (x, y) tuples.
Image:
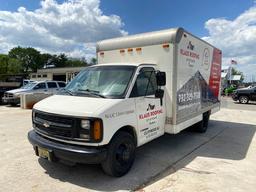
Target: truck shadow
[(161, 157)]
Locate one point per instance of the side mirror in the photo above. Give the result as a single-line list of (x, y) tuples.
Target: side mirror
[(161, 78), (160, 94)]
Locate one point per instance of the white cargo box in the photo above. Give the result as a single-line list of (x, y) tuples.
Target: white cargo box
[(192, 66)]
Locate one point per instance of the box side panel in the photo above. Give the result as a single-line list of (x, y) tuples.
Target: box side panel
[(198, 78)]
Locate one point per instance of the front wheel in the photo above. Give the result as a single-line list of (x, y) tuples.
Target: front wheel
[(121, 154), (243, 99)]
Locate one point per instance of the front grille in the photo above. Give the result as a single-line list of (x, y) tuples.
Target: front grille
[(55, 125), (8, 94)]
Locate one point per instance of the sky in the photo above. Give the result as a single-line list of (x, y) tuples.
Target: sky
[(73, 26)]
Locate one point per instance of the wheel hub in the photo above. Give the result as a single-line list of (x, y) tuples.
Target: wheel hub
[(123, 153)]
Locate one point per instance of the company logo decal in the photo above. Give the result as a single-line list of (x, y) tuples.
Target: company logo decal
[(118, 114), (189, 52), (190, 46), (46, 124), (150, 107), (150, 114), (206, 59)]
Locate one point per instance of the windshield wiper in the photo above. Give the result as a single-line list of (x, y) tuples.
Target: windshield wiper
[(92, 92), (68, 91)]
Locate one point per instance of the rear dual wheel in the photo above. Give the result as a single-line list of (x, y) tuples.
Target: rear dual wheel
[(201, 127)]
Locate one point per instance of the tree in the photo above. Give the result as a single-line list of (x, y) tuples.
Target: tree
[(14, 66), (236, 72), (59, 60), (93, 61), (76, 63), (29, 58), (4, 63), (46, 59)]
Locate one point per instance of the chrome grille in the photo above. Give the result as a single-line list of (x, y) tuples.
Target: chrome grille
[(55, 125), (8, 94)]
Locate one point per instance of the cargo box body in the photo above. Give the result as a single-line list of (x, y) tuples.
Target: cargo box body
[(192, 66)]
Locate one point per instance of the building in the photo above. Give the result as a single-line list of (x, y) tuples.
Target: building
[(58, 74), (227, 79)]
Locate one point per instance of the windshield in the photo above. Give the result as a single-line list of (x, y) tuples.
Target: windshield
[(29, 85), (102, 81)]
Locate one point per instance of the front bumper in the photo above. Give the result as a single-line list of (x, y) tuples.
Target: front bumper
[(11, 100), (68, 152), (235, 97)]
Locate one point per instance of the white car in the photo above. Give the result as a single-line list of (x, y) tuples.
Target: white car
[(12, 97)]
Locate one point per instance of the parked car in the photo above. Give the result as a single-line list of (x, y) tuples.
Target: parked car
[(12, 97), (245, 95)]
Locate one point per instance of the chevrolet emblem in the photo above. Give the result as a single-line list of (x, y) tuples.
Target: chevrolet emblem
[(46, 125)]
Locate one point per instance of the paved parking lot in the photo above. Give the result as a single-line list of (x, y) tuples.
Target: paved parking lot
[(223, 159)]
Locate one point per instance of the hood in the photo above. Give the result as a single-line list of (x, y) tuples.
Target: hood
[(75, 106), (244, 90), (18, 90)]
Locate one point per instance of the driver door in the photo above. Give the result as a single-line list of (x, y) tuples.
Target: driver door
[(150, 112)]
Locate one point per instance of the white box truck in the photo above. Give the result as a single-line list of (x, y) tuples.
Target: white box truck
[(143, 86)]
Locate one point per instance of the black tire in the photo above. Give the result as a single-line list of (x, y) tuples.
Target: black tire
[(243, 99), (201, 127), (13, 104), (121, 154)]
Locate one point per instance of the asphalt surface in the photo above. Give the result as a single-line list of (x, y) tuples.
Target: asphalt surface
[(227, 102), (220, 160)]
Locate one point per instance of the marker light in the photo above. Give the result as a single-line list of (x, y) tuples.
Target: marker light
[(97, 131), (122, 51), (166, 46)]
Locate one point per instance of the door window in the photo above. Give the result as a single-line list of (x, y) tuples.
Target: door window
[(40, 86), (145, 83), (61, 84), (51, 85)]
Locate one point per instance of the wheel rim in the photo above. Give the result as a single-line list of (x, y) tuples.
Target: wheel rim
[(123, 153), (243, 100)]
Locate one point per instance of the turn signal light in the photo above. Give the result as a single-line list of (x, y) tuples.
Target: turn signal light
[(138, 49), (97, 130), (130, 50)]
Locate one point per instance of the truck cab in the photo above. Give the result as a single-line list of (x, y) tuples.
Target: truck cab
[(100, 106)]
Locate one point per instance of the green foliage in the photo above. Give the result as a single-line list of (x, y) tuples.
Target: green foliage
[(76, 63), (23, 60), (29, 58), (93, 61), (3, 63), (230, 90), (14, 66)]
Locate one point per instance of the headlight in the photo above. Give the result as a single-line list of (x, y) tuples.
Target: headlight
[(91, 130), (85, 129), (85, 124), (17, 94)]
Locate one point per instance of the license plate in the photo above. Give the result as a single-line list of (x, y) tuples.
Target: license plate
[(44, 153)]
